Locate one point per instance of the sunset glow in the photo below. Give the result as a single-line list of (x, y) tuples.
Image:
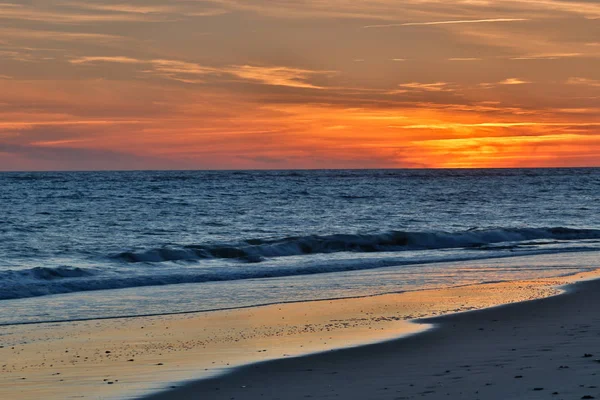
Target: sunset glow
[(278, 84)]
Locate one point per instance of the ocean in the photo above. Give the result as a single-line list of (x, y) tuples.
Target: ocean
[(85, 245)]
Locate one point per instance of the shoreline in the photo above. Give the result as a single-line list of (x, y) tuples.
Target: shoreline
[(531, 349), (66, 299), (245, 307), (61, 359)]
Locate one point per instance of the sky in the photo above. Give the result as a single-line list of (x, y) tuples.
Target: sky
[(284, 84)]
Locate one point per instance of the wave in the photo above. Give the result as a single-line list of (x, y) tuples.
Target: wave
[(38, 281), (257, 250), (261, 258), (46, 274), (33, 284)]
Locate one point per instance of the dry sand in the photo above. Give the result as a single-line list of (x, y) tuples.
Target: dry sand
[(470, 353)]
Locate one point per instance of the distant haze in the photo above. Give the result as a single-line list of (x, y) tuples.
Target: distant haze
[(282, 84)]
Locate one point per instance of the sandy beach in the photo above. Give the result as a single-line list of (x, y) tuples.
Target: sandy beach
[(539, 349), (132, 357)]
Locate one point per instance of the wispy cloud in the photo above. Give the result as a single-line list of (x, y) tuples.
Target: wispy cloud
[(59, 36), (451, 22), (588, 9), (54, 15), (427, 87), (390, 9), (456, 126), (548, 56), (17, 125), (583, 81), (189, 9), (182, 70), (78, 13), (513, 81), (464, 59), (122, 7), (505, 82), (16, 55), (277, 76), (484, 107), (51, 143), (116, 59)]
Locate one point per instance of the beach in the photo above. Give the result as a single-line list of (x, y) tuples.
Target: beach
[(345, 347), (120, 285), (546, 348)]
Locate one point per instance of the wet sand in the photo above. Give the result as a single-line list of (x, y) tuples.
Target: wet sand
[(468, 352), (541, 349)]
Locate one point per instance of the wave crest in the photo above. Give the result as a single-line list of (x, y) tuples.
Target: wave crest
[(256, 250)]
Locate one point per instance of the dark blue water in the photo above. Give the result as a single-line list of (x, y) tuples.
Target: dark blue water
[(79, 235)]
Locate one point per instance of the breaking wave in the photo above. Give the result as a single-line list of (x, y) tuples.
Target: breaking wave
[(256, 250), (262, 258)]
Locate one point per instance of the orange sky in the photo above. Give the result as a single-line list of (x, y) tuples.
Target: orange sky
[(228, 84)]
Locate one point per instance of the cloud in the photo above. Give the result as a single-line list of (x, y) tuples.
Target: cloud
[(427, 87), (391, 10), (548, 56), (16, 55), (58, 15), (182, 70), (149, 9), (456, 126), (505, 82), (277, 76), (595, 111), (584, 82), (122, 7), (79, 13), (452, 22), (115, 59), (513, 81), (588, 9), (20, 125), (58, 36), (478, 108)]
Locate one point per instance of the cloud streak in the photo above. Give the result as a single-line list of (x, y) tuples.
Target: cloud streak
[(182, 70), (427, 87), (451, 22), (59, 36), (583, 82), (549, 56), (77, 12), (513, 81), (455, 126), (99, 59)]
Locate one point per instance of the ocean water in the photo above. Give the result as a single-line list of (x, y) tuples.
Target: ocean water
[(79, 245)]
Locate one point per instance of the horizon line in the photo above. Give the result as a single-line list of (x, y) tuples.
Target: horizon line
[(292, 169)]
